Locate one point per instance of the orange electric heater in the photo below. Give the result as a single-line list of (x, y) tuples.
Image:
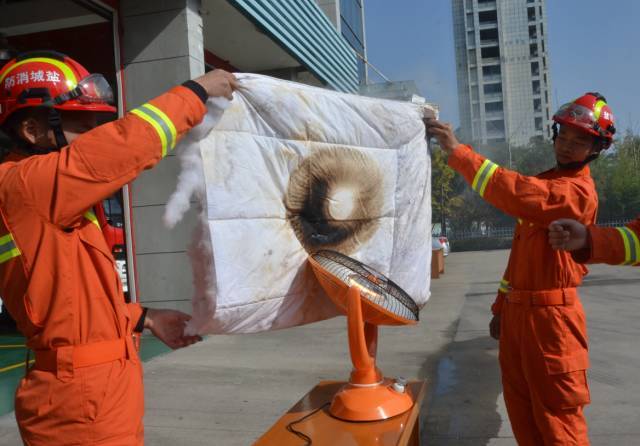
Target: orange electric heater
[(368, 299)]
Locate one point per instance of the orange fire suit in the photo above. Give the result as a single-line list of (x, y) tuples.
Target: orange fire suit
[(543, 339), (58, 278), (615, 246)]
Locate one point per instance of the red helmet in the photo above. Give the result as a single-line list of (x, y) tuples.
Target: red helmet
[(51, 79), (591, 113)]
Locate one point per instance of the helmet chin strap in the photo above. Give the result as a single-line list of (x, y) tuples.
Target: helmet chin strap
[(578, 164), (55, 122)]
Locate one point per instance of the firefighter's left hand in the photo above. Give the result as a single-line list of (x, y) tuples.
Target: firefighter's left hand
[(568, 234), (443, 132), (168, 326)]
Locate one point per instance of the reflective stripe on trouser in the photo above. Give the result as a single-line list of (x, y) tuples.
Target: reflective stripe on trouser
[(8, 248), (543, 358), (483, 175), (631, 246), (161, 124), (504, 286)]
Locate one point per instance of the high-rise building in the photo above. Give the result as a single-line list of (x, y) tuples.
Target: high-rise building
[(502, 61)]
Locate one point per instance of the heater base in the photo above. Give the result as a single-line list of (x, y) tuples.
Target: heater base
[(371, 403)]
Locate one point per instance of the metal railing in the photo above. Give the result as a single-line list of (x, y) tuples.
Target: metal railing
[(614, 223), (507, 231), (480, 233)]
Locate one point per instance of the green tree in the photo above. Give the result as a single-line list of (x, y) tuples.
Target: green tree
[(445, 187), (618, 180), (534, 158)]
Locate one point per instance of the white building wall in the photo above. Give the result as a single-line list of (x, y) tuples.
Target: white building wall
[(162, 47)]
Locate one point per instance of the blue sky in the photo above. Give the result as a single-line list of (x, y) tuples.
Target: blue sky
[(593, 45)]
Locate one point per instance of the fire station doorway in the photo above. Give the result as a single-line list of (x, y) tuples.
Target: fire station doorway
[(87, 31)]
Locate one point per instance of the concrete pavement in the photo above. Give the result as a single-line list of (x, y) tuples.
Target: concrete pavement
[(228, 390)]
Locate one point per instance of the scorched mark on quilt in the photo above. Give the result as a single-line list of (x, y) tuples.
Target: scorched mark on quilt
[(334, 199)]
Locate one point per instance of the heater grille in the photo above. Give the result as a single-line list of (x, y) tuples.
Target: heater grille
[(374, 287)]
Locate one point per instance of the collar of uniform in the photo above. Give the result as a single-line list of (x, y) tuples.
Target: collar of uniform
[(14, 157), (583, 171)]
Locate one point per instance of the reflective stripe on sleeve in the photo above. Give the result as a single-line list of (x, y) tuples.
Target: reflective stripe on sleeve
[(484, 174), (161, 123), (8, 248), (89, 215), (631, 246)]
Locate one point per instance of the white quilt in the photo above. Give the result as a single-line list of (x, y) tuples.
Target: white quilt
[(286, 169)]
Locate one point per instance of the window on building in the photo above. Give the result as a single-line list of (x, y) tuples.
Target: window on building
[(476, 110), (543, 50), (486, 1), (545, 79), (472, 56), (535, 87), (351, 15), (531, 1), (473, 74), (474, 93), (468, 4), (486, 17), (491, 72), (537, 105), (541, 29), (489, 35), (540, 10), (470, 23), (471, 38), (495, 127), (535, 69), (546, 96), (492, 89), (533, 34), (490, 52), (531, 13), (352, 29), (538, 123), (493, 107), (533, 50)]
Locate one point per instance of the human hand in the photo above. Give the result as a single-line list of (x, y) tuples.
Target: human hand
[(168, 326), (494, 327), (567, 234), (443, 132), (218, 83)]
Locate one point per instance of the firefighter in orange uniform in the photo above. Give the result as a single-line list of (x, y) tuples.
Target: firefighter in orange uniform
[(592, 244), (57, 275), (538, 317)]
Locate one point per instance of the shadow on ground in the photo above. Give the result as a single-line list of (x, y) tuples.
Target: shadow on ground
[(462, 406)]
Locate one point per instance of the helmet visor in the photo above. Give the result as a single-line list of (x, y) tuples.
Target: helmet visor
[(93, 89), (576, 114)]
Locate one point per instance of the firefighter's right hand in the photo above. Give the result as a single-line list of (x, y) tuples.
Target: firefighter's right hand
[(494, 327), (218, 83), (168, 326), (568, 234), (443, 132)]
